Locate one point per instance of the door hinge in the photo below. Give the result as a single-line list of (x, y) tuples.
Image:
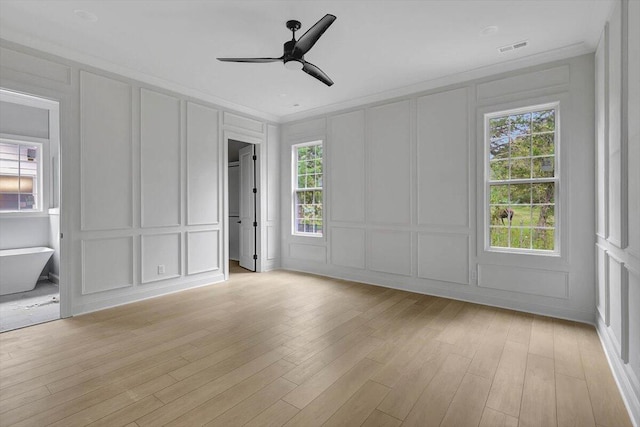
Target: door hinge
[(255, 223), (255, 190), (255, 256), (61, 235), (255, 157)]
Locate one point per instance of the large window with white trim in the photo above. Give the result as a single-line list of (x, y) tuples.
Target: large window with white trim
[(522, 179), (307, 189), (20, 176)]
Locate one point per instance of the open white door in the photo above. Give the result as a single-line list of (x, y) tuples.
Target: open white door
[(247, 209)]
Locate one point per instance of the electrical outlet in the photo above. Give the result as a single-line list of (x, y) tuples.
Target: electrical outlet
[(161, 269)]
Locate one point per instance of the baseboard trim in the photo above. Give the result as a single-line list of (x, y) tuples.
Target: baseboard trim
[(460, 292), (106, 303), (629, 396), (54, 278)]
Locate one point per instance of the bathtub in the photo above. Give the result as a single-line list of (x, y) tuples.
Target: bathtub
[(21, 268)]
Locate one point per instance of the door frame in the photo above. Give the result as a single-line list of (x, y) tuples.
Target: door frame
[(257, 141), (53, 103)]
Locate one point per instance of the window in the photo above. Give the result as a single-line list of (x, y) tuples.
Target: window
[(307, 189), (522, 179), (20, 176)]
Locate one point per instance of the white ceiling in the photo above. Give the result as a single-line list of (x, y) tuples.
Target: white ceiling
[(374, 48)]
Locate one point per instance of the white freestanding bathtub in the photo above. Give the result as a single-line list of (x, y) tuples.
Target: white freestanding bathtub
[(21, 268)]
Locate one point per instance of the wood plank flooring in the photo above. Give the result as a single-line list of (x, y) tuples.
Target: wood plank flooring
[(292, 349)]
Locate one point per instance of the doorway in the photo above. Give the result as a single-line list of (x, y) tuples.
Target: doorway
[(29, 210), (242, 203)]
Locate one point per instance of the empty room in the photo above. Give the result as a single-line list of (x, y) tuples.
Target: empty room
[(320, 213)]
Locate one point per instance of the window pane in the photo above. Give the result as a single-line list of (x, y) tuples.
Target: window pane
[(499, 148), (19, 180), (520, 124), (521, 216), (499, 169), (499, 194), (543, 167), (501, 214), (543, 239), (521, 238), (499, 127), (543, 193), (542, 144), (543, 121), (520, 194), (521, 168), (521, 146), (544, 216), (499, 237)]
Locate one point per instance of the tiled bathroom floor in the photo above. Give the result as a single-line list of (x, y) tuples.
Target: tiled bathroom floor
[(29, 308)]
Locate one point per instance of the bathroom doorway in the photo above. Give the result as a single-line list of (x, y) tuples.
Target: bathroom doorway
[(29, 210)]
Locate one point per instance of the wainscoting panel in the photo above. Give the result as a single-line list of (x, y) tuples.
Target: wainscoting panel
[(241, 122), (345, 151), (348, 247), (614, 140), (602, 152), (553, 77), (273, 242), (389, 251), (105, 144), (159, 159), (203, 251), (524, 280), (160, 251), (273, 168), (107, 264), (389, 171), (602, 292), (443, 257), (203, 165), (615, 301), (634, 327), (443, 157), (308, 252)]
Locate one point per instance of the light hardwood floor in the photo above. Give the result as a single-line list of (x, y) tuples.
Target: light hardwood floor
[(285, 348)]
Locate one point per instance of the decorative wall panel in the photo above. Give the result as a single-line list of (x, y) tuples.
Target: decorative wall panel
[(389, 168), (203, 165), (443, 157), (159, 159), (161, 257), (107, 264), (203, 251), (106, 174)]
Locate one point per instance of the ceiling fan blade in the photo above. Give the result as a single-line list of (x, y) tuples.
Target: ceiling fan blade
[(257, 60), (316, 72), (312, 35)]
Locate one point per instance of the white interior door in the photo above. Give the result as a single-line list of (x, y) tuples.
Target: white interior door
[(247, 209)]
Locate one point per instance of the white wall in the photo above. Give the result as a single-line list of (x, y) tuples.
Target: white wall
[(404, 185), (143, 181), (618, 197)]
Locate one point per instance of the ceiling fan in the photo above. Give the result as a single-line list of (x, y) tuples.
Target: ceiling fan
[(294, 50)]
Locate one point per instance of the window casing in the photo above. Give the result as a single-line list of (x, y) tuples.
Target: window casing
[(307, 189), (20, 176), (522, 180)]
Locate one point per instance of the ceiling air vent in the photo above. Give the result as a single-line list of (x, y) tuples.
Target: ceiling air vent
[(514, 46)]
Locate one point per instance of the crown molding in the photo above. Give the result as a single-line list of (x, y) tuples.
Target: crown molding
[(50, 48), (461, 77)]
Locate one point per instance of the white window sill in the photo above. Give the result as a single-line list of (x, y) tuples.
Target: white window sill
[(17, 214), (511, 251)]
